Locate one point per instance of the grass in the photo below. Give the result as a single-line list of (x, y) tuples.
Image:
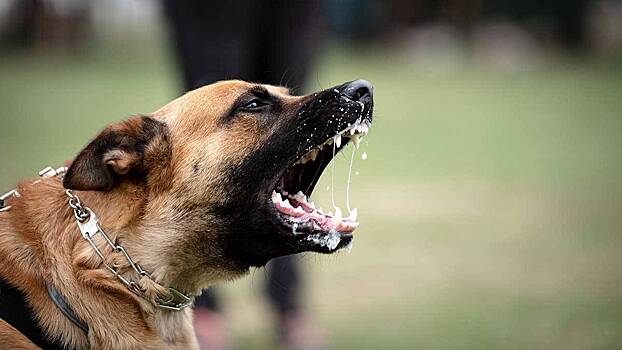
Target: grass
[(490, 202)]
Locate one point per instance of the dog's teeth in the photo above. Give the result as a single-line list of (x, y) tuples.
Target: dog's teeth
[(353, 215), (337, 218), (336, 221), (352, 131), (311, 204), (313, 154), (355, 140), (300, 197), (286, 204), (276, 197), (298, 211), (338, 140)]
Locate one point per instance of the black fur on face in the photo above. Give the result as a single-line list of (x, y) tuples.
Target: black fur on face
[(256, 232)]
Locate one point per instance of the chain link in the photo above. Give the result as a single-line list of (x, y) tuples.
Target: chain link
[(89, 226), (4, 197), (78, 210)]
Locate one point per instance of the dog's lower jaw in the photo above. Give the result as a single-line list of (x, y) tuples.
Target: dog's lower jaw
[(195, 280)]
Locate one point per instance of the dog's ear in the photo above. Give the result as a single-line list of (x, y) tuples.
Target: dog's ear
[(124, 149)]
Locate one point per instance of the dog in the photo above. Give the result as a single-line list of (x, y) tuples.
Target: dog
[(108, 252)]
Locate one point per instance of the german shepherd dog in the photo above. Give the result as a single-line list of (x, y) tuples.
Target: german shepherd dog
[(107, 254)]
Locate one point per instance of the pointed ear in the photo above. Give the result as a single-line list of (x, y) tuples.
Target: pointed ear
[(121, 150)]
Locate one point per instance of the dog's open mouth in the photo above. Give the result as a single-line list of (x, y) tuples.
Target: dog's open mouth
[(291, 196)]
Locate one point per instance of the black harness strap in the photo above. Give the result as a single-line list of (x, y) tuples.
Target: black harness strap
[(15, 311)]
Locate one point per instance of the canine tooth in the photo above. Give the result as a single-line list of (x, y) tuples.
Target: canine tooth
[(300, 197), (298, 211), (353, 215), (338, 140), (355, 140), (337, 218), (276, 197), (313, 154)]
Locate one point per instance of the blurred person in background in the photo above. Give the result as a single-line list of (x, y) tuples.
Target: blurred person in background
[(270, 42)]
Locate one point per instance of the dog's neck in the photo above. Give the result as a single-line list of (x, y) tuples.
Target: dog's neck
[(41, 232), (143, 224), (123, 215)]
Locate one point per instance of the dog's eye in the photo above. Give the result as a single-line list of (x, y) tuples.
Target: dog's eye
[(254, 105)]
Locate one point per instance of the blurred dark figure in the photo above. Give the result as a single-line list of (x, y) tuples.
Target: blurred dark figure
[(45, 23), (566, 19), (271, 42), (562, 21)]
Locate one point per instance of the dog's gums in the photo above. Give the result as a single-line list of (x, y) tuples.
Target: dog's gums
[(292, 199), (294, 209)]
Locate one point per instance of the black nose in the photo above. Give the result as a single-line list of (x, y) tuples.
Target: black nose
[(358, 90)]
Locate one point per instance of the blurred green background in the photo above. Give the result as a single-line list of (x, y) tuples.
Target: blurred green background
[(489, 205)]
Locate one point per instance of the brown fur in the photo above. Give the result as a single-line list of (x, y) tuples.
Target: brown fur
[(13, 339), (138, 190)]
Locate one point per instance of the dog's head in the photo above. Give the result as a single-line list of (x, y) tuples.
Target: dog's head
[(225, 171)]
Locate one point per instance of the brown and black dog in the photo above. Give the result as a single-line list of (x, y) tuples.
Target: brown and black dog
[(213, 183)]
